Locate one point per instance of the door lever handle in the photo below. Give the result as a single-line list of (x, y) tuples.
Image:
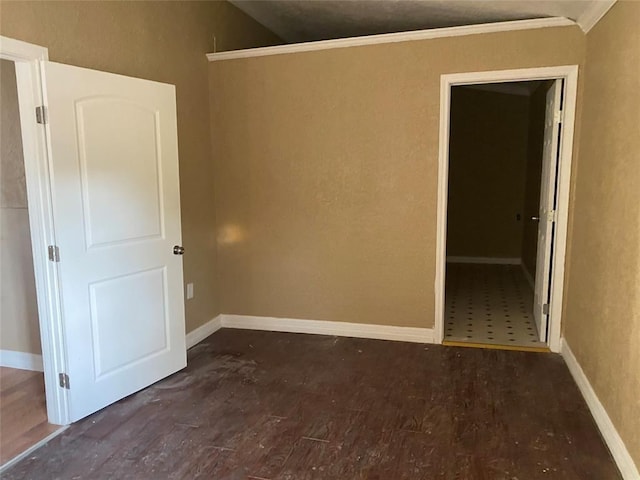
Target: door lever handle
[(178, 250), (535, 219)]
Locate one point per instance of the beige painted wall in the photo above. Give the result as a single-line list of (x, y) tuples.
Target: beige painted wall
[(326, 172), (19, 329), (487, 167), (535, 141), (602, 320), (166, 42)]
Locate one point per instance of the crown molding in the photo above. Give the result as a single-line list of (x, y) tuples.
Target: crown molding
[(393, 38), (594, 13)]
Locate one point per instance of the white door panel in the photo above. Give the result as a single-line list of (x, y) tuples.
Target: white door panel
[(134, 212), (550, 155), (114, 169), (115, 309)]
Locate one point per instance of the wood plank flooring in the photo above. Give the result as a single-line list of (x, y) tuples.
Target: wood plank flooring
[(23, 413), (260, 405)]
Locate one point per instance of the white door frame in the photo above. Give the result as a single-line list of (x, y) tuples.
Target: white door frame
[(35, 147), (570, 75)]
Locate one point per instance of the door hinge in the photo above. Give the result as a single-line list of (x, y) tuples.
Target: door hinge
[(558, 116), (41, 114), (64, 380), (551, 215), (545, 309), (54, 253)]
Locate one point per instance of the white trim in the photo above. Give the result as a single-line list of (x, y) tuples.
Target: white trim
[(487, 260), (594, 13), (34, 143), (203, 331), (393, 38), (19, 51), (528, 276), (321, 327), (608, 430), (7, 465), (21, 360), (563, 202), (513, 75), (570, 74)]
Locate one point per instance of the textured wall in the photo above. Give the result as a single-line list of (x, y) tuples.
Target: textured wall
[(166, 42), (326, 170), (487, 166), (602, 321), (13, 188), (19, 327)]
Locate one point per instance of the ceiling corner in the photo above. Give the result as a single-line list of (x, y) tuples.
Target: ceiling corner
[(592, 15)]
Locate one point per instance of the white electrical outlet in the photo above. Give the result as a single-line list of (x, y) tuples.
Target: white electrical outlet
[(189, 290)]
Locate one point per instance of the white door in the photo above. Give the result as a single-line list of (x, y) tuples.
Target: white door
[(546, 214), (114, 179)]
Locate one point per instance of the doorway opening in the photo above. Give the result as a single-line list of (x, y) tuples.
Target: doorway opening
[(23, 402), (96, 347), (505, 156)]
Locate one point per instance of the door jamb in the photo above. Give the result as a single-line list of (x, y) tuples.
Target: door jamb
[(27, 58), (570, 75)]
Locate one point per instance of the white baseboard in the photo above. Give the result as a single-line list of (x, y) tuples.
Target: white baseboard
[(21, 360), (418, 335), (528, 276), (203, 331), (319, 327), (488, 260), (608, 430)]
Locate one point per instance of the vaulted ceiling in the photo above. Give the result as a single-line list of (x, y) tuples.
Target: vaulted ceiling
[(308, 20)]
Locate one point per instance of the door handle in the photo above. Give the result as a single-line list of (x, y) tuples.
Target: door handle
[(178, 250), (535, 219)]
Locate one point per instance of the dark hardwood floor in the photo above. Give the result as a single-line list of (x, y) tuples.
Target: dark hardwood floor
[(259, 405)]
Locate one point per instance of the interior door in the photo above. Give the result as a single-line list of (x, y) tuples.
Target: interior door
[(114, 174), (546, 216)]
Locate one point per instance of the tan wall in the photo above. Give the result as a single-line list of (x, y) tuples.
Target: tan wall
[(326, 172), (166, 42), (602, 320), (487, 166), (535, 140), (19, 329)]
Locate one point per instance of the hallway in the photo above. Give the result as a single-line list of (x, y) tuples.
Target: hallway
[(489, 304)]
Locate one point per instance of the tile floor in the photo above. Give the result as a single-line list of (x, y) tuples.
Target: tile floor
[(490, 304)]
